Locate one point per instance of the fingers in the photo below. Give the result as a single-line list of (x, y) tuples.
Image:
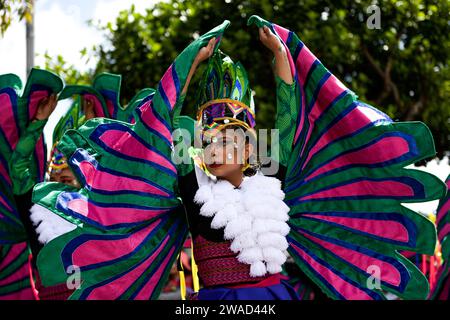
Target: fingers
[(264, 31), (211, 44), (265, 35), (206, 51), (262, 35), (48, 101), (45, 107)]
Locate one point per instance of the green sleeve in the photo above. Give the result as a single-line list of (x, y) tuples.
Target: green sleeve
[(182, 168), (287, 115), (22, 171), (177, 111)]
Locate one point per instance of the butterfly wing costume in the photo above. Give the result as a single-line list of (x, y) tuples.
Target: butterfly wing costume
[(20, 138), (344, 184)]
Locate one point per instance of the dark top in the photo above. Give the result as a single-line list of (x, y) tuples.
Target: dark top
[(199, 224), (24, 205)]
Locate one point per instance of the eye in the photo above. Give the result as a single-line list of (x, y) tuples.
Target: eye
[(206, 143)]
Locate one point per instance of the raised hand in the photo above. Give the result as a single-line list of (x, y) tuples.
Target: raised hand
[(206, 51), (270, 40), (46, 107), (273, 43), (202, 55), (88, 107)]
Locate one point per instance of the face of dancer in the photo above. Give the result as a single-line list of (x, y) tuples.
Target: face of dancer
[(65, 176), (226, 153)]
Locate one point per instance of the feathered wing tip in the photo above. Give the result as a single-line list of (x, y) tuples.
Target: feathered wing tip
[(100, 106), (115, 265), (108, 86), (345, 182), (18, 109), (130, 225), (105, 94)]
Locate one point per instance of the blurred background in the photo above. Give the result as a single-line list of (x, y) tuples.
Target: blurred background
[(393, 54)]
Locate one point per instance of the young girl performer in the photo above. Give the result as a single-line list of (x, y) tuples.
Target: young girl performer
[(337, 211)]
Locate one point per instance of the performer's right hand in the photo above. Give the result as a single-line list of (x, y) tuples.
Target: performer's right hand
[(205, 52)]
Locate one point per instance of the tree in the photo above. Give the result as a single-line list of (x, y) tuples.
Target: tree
[(401, 68), (11, 9), (67, 71)]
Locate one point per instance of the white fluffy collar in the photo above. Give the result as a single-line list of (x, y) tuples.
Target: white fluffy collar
[(48, 224), (254, 217)]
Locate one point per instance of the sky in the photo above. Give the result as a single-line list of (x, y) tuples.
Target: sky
[(61, 29)]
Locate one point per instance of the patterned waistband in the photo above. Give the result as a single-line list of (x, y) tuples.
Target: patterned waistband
[(57, 292), (218, 265)]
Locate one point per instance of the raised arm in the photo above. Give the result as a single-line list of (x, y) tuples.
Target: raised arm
[(203, 54), (287, 94), (21, 169), (271, 41)]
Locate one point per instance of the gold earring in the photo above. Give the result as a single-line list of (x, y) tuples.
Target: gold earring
[(246, 165)]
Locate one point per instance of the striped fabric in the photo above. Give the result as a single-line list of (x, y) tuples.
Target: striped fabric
[(131, 225), (15, 272), (17, 107), (345, 182), (105, 94), (442, 288)]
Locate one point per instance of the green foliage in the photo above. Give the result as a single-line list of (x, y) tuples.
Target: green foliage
[(9, 9), (67, 71), (401, 68)]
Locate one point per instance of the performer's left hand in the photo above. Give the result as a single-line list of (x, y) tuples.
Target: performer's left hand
[(270, 40)]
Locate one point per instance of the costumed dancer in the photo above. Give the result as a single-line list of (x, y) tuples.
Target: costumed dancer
[(104, 95), (22, 164), (337, 210), (441, 290), (58, 172), (97, 101)]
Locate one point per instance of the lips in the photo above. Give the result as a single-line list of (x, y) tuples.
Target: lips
[(215, 165)]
